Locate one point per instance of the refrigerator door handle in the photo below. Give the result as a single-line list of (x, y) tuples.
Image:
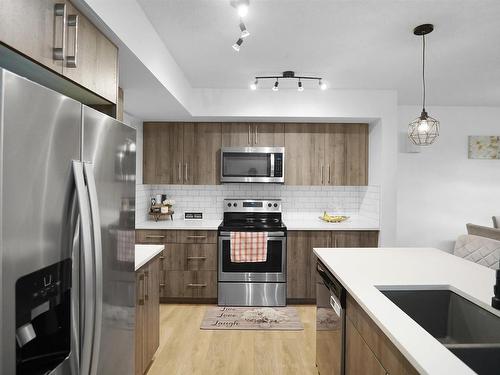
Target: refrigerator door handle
[(88, 169), (88, 265)]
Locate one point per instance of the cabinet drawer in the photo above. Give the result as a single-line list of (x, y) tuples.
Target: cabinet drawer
[(154, 236), (189, 284), (197, 236), (201, 257)]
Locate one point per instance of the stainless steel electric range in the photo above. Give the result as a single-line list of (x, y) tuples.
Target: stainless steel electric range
[(252, 284)]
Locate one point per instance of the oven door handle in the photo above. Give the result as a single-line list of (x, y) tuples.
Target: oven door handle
[(271, 235)]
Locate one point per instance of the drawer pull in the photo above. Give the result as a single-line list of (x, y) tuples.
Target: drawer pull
[(196, 258), (197, 285), (162, 285), (154, 236), (146, 285), (141, 289), (161, 257), (197, 237)]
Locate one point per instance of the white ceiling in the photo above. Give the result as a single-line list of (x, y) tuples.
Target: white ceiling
[(355, 44)]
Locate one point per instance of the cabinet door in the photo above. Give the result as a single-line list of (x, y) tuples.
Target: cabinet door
[(153, 308), (335, 162), (356, 154), (355, 238), (305, 153), (201, 257), (268, 134), (139, 323), (96, 57), (301, 262), (359, 358), (162, 151), (237, 134), (202, 143), (31, 27)]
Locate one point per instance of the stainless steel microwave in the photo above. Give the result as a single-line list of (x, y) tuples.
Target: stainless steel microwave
[(253, 164)]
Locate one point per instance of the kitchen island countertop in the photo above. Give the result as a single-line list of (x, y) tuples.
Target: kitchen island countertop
[(363, 271), (144, 253)]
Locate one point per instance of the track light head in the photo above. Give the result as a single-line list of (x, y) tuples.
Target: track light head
[(237, 45), (300, 88), (241, 6), (244, 31), (322, 85), (275, 87), (253, 85)]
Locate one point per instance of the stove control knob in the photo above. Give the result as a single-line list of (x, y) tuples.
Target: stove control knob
[(229, 204), (276, 205), (235, 204), (269, 205)]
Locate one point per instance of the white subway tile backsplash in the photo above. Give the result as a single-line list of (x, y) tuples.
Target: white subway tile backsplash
[(349, 200)]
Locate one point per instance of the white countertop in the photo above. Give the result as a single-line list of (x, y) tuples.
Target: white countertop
[(144, 253), (361, 270), (303, 222)]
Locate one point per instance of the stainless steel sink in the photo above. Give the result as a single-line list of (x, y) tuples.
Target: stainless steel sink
[(466, 329)]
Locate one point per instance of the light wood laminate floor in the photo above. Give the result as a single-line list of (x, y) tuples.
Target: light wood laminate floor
[(185, 349)]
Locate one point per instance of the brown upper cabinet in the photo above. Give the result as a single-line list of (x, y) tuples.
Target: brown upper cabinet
[(55, 34), (182, 153), (326, 154), (253, 134)]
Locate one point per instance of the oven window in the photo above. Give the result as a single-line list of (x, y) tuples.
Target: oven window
[(243, 164), (273, 263)]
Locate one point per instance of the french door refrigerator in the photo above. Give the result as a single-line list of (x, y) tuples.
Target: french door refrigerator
[(67, 201)]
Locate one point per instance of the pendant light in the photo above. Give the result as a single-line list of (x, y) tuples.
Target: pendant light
[(424, 130)]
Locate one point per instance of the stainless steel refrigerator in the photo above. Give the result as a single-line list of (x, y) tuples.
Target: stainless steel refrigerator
[(67, 202)]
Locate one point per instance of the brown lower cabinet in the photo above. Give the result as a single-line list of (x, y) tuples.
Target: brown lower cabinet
[(368, 350), (147, 315), (188, 264), (301, 261)]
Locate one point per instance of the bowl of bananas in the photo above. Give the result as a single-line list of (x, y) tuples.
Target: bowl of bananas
[(333, 218)]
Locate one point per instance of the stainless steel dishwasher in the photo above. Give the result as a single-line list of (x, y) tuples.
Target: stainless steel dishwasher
[(330, 323)]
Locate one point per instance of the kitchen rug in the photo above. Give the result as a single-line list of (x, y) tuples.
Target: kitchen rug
[(252, 318)]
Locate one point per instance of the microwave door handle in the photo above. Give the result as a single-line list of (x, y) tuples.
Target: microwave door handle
[(271, 174)]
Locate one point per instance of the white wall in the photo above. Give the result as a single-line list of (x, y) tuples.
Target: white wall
[(440, 189)]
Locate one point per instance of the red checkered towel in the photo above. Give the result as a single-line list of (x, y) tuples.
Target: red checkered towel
[(248, 247)]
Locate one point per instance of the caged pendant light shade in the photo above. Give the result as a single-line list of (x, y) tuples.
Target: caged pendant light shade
[(424, 130)]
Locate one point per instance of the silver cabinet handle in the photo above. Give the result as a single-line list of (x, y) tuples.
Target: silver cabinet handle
[(196, 258), (141, 289), (197, 285), (72, 60), (59, 11), (154, 236), (186, 172), (256, 134), (197, 237), (146, 285), (322, 170), (179, 172), (329, 178)]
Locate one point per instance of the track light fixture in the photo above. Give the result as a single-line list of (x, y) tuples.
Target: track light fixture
[(244, 31), (289, 75), (237, 45), (242, 7)]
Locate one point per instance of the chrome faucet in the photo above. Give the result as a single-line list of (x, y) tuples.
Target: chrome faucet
[(495, 301)]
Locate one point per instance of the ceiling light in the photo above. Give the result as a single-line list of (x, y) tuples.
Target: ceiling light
[(301, 88), (253, 85), (236, 46), (244, 31), (275, 87), (424, 130), (241, 6), (288, 74), (322, 85)]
